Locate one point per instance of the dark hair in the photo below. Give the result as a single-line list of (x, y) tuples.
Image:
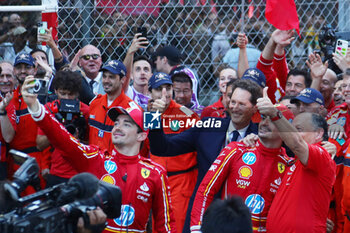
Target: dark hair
[(225, 66), (304, 73), (252, 87), (142, 58), (171, 62), (181, 77), (227, 216), (320, 123), (67, 80), (39, 50)]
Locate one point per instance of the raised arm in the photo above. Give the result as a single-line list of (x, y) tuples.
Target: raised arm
[(137, 43), (243, 64), (317, 69), (7, 111), (79, 155), (289, 134)]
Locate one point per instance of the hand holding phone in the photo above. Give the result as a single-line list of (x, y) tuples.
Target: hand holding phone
[(143, 31), (341, 47)]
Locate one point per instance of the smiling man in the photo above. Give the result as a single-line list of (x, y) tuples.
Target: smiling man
[(143, 183), (90, 62), (7, 80), (182, 169), (208, 142), (100, 126), (251, 172)]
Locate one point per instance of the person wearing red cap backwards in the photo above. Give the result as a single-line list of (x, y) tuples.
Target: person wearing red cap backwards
[(100, 126), (144, 184), (302, 200), (182, 169), (252, 172)]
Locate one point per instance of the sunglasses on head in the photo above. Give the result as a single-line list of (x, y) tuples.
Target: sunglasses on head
[(88, 56)]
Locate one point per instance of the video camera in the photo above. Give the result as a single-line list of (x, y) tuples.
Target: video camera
[(56, 209), (67, 111), (328, 38)]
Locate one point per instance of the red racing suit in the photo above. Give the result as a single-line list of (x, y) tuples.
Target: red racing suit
[(254, 173), (143, 183), (215, 110), (340, 116), (276, 72)]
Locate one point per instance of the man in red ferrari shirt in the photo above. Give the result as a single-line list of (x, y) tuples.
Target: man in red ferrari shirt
[(254, 173), (302, 201), (144, 184)]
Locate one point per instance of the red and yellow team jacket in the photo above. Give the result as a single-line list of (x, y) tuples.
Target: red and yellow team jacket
[(144, 184), (253, 173), (100, 126)]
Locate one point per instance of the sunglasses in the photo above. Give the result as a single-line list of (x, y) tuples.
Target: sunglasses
[(88, 56)]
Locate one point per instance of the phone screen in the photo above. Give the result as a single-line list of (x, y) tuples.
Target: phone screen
[(342, 47)]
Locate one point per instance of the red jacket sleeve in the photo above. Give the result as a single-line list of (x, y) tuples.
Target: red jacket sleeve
[(210, 186), (82, 157), (266, 67), (11, 113), (280, 66)]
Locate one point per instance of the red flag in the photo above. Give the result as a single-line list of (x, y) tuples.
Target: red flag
[(282, 14)]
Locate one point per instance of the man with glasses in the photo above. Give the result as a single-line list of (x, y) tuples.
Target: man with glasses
[(182, 85), (90, 62)]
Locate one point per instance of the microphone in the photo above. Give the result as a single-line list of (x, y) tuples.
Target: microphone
[(81, 186)]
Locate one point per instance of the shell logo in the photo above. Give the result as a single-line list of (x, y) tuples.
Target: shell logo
[(108, 179), (245, 172)]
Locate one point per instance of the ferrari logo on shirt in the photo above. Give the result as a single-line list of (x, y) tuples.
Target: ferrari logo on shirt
[(145, 173), (281, 167)]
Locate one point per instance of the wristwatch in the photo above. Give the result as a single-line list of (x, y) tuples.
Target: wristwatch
[(3, 113), (278, 116)]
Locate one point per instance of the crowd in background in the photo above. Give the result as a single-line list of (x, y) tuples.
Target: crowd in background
[(122, 68)]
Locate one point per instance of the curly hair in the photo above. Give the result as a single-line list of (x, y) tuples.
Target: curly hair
[(67, 80)]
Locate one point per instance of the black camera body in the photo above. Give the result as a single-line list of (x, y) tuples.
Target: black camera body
[(328, 38), (40, 87), (56, 209), (71, 117)]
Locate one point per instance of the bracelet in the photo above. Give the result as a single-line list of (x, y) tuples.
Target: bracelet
[(4, 113)]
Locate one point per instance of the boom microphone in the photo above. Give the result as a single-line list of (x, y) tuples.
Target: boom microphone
[(81, 186)]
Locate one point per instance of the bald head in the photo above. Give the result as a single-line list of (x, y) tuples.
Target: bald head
[(327, 84), (7, 79), (312, 127), (15, 19), (90, 61)]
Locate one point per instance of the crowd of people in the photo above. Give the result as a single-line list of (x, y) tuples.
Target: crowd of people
[(277, 137)]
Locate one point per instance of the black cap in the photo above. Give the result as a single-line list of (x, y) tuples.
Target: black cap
[(170, 52)]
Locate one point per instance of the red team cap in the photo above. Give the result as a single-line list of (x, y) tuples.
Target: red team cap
[(285, 111), (135, 114)]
